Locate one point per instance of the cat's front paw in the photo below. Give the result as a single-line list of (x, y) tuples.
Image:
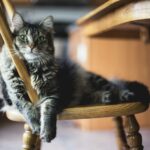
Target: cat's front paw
[(48, 134), (35, 127), (126, 96), (107, 97)]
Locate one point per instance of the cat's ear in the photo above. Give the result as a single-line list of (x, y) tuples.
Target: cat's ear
[(17, 22), (48, 23)]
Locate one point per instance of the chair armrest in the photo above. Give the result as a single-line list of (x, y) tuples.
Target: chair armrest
[(97, 111)]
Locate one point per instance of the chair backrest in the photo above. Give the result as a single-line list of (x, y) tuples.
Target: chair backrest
[(8, 40)]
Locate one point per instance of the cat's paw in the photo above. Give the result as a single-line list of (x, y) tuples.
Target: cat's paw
[(126, 96), (48, 134), (33, 119), (107, 97), (35, 127)]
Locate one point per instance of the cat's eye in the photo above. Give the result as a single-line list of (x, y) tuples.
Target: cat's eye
[(22, 37), (42, 39)]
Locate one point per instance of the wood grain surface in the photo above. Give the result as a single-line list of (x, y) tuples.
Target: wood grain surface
[(135, 11), (86, 112)]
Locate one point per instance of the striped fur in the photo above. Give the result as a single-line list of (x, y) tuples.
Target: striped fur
[(59, 83)]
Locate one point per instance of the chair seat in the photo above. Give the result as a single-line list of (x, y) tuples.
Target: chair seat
[(96, 111)]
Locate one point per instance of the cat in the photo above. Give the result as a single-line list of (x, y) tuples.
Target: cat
[(60, 83)]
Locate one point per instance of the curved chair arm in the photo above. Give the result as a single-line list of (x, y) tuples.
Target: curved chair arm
[(86, 112), (9, 8)]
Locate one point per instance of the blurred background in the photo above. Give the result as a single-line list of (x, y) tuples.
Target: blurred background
[(125, 59)]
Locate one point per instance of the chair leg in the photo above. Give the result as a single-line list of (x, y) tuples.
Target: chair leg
[(134, 138), (30, 141), (120, 134), (38, 145)]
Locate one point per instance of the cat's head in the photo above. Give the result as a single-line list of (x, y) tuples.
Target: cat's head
[(33, 41)]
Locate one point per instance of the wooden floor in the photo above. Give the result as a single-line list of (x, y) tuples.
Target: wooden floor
[(69, 137)]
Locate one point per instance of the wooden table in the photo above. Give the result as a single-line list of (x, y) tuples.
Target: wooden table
[(118, 15)]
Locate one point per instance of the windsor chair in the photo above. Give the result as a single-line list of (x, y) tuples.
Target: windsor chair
[(127, 127)]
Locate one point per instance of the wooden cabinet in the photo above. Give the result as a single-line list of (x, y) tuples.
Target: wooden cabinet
[(127, 59)]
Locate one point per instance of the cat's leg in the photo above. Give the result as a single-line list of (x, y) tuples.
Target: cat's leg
[(101, 90), (16, 91), (17, 94), (102, 97), (107, 92), (27, 109), (46, 86), (48, 118), (97, 82)]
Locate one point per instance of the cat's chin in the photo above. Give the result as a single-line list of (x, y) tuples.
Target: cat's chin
[(31, 57)]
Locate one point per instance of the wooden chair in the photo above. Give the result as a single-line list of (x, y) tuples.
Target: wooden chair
[(130, 138)]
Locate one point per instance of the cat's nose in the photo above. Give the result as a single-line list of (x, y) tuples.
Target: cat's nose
[(31, 46)]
